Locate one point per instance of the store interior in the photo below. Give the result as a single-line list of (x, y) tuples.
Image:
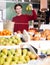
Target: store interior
[(27, 47)]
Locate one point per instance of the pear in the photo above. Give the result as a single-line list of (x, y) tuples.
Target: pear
[(15, 41), (21, 57), (29, 53), (12, 51), (15, 58), (27, 58), (25, 52), (20, 62), (6, 63), (1, 54), (44, 51), (27, 8), (48, 51), (19, 51), (9, 53), (1, 60), (8, 59), (33, 56), (13, 63), (5, 51)]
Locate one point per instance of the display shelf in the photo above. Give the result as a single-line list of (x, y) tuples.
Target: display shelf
[(45, 44)]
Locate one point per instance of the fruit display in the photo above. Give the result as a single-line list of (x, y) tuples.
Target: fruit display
[(46, 51), (14, 40), (5, 32), (44, 35), (16, 56)]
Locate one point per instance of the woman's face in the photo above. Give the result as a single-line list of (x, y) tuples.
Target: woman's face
[(18, 10)]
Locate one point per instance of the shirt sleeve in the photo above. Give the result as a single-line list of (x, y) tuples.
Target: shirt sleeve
[(33, 16), (13, 19)]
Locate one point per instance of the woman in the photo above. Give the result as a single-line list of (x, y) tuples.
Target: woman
[(21, 20)]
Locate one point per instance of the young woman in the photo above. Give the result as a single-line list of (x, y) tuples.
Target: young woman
[(21, 20)]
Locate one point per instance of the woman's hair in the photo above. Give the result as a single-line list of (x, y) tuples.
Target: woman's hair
[(17, 5)]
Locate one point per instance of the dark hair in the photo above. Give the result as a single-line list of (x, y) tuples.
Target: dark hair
[(17, 5)]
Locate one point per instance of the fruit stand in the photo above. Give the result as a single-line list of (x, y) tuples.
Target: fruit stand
[(18, 48), (31, 47)]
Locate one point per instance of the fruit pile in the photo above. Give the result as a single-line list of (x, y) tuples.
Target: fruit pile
[(5, 33), (17, 56), (14, 40), (44, 35), (46, 51)]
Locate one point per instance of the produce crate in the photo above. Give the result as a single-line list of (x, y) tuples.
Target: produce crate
[(43, 47), (22, 46)]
